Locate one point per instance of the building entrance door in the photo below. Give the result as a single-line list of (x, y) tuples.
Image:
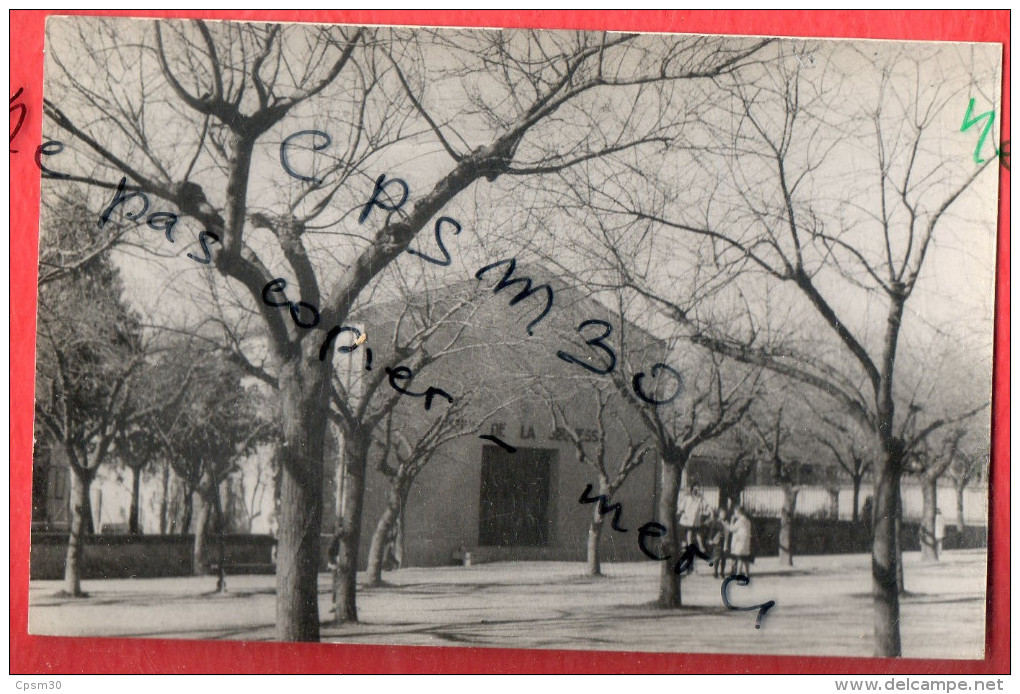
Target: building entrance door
[(515, 497)]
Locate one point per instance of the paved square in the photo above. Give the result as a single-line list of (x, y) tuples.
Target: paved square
[(823, 607)]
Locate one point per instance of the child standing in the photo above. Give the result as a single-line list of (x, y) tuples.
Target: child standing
[(718, 535), (740, 542), (691, 512)]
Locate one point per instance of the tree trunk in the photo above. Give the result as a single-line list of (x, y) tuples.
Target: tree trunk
[(398, 534), (304, 386), (833, 503), (81, 509), (96, 517), (900, 585), (959, 509), (383, 531), (594, 559), (186, 516), (594, 563), (164, 519), (200, 563), (221, 570), (670, 471), (884, 559), (345, 578), (136, 478), (729, 493), (786, 525), (856, 512), (929, 550)]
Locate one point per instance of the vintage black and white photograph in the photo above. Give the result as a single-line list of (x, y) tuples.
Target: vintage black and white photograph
[(521, 339)]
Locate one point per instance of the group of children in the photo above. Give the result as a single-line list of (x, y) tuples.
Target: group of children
[(726, 538)]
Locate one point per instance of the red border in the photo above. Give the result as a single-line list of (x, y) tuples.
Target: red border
[(32, 654)]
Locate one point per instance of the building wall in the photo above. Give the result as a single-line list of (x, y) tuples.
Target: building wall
[(443, 510), (50, 487)]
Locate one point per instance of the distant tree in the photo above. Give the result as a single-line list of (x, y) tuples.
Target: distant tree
[(930, 462), (221, 422), (774, 438), (739, 470), (254, 482), (930, 444), (137, 450), (968, 466), (181, 507), (92, 354), (163, 499), (403, 455), (852, 455)]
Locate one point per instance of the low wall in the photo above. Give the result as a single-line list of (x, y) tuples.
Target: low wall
[(147, 556), (827, 536)]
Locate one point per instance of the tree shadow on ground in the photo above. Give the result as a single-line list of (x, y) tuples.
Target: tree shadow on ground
[(930, 599), (245, 633), (235, 594), (779, 573), (653, 610), (134, 598), (924, 598), (596, 627), (427, 588)]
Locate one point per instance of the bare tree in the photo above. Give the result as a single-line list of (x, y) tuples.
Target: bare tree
[(772, 438), (64, 255), (137, 450), (772, 218), (930, 465), (713, 403), (969, 466), (851, 453), (608, 401), (400, 461), (739, 470), (163, 509), (429, 326), (93, 356), (219, 424), (252, 489)]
